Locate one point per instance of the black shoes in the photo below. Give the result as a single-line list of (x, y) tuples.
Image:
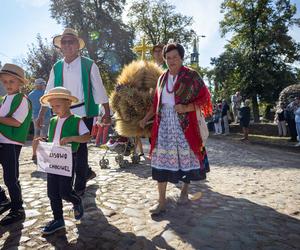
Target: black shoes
[(4, 206), (13, 216), (80, 192), (90, 175)]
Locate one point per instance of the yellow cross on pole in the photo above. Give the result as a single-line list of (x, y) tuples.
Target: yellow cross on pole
[(142, 48)]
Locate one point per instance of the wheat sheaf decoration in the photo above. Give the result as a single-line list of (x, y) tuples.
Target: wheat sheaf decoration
[(133, 97)]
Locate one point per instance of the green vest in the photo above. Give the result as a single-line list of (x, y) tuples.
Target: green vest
[(17, 134), (69, 128), (91, 108)]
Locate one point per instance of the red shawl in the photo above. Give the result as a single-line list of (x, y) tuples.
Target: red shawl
[(189, 88)]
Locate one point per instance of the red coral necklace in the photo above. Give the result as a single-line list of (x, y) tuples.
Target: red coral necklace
[(167, 87)]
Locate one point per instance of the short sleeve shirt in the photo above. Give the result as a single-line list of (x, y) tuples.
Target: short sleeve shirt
[(60, 121), (20, 114)]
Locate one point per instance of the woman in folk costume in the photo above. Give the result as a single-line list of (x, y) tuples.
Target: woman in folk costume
[(177, 150)]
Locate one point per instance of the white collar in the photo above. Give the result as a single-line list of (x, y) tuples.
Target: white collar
[(75, 61)]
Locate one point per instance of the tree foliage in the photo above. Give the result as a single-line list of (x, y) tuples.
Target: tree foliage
[(40, 58), (258, 60), (158, 22)]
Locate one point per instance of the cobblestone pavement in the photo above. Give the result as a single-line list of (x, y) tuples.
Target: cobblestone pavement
[(251, 200)]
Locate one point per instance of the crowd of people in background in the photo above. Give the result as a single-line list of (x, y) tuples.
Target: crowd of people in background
[(287, 118), (239, 113)]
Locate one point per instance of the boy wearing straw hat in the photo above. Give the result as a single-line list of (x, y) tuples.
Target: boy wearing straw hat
[(64, 128), (81, 76), (15, 118)]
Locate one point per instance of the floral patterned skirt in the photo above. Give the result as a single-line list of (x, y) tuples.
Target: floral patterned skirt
[(172, 159)]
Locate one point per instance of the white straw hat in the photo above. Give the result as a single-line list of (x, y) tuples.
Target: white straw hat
[(58, 93), (68, 32)]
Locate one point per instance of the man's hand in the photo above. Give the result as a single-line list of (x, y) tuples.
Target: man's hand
[(40, 121), (106, 120)]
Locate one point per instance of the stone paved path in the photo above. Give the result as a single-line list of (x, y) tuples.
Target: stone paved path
[(251, 200)]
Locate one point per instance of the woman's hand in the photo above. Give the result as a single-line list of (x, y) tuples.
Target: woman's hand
[(180, 108), (184, 108), (147, 117), (142, 123)]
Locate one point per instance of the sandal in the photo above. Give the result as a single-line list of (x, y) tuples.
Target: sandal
[(157, 210), (183, 199)]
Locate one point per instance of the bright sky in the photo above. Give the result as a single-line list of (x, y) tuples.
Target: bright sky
[(22, 20)]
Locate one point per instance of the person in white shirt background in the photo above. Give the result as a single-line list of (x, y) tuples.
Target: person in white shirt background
[(297, 118), (81, 76), (236, 101)]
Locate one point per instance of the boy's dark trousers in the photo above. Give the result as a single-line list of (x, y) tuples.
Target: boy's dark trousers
[(9, 159), (81, 166), (61, 188)]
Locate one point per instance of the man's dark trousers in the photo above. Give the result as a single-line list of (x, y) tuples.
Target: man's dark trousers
[(82, 167)]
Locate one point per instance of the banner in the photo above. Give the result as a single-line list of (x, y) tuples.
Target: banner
[(54, 159)]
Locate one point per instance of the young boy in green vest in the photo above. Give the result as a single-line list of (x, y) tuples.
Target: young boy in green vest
[(15, 118), (64, 128)]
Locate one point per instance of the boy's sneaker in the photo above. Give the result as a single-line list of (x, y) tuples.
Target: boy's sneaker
[(4, 206), (80, 192), (78, 211), (53, 226), (13, 216), (90, 175)]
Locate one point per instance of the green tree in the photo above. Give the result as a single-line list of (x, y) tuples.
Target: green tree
[(99, 23), (227, 71), (260, 54), (158, 22), (40, 58), (297, 70)]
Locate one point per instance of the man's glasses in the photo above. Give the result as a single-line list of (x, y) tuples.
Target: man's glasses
[(69, 42)]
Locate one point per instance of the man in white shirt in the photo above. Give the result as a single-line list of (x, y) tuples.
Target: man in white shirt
[(81, 76)]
